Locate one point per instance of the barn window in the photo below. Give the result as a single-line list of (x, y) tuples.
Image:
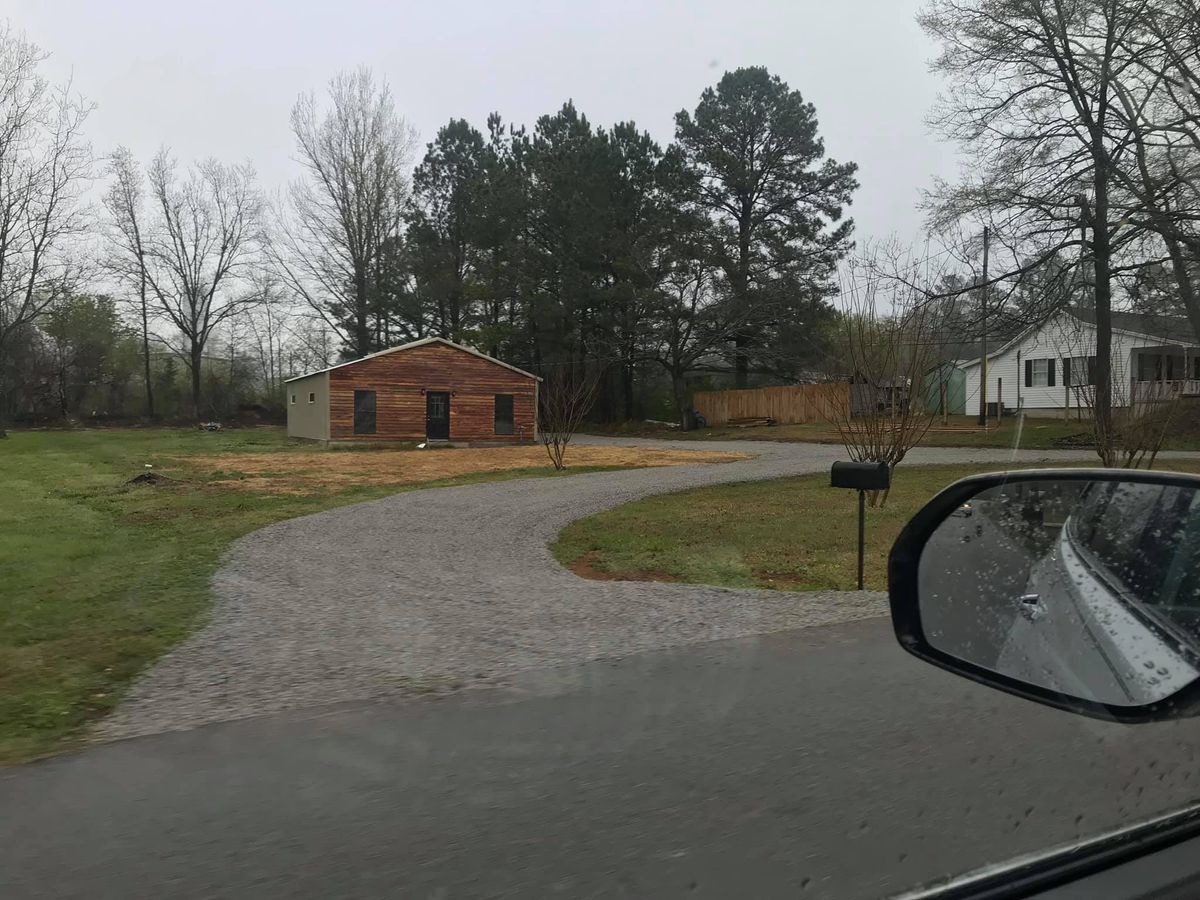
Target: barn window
[(504, 414), (364, 412), (312, 397)]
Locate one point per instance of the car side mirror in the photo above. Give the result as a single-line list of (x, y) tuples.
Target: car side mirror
[(1076, 588)]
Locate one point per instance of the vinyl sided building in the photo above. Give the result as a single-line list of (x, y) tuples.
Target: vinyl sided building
[(1049, 369), (428, 390)]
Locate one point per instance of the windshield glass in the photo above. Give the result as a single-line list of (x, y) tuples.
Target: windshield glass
[(417, 430)]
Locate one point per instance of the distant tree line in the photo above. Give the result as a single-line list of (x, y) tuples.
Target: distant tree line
[(572, 245), (566, 247)]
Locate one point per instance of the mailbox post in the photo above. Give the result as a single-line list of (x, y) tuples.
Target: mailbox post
[(862, 477)]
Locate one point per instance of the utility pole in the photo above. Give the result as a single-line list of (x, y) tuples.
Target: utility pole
[(983, 367)]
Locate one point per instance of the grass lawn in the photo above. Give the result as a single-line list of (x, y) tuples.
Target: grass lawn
[(98, 577), (789, 534), (1031, 433)]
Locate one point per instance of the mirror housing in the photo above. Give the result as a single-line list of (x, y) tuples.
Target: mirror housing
[(961, 506)]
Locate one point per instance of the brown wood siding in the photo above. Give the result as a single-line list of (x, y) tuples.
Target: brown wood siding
[(795, 404), (399, 380)]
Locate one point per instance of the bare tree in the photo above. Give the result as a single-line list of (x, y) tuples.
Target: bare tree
[(1034, 105), (266, 324), (565, 397), (44, 167), (890, 349), (342, 215), (206, 232), (309, 345), (1160, 108), (126, 236)]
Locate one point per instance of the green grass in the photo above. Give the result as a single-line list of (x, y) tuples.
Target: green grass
[(1031, 433), (99, 578), (788, 534)]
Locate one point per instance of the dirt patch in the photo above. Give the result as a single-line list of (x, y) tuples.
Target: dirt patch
[(1082, 441), (322, 470), (585, 567), (154, 479)]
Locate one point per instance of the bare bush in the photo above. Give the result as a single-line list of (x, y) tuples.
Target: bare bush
[(1142, 415), (564, 400), (890, 349)]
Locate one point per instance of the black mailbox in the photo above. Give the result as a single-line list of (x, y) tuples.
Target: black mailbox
[(864, 476)]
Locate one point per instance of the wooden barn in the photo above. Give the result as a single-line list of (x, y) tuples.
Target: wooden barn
[(429, 390)]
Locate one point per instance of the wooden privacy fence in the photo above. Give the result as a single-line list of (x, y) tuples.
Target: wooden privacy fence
[(794, 404)]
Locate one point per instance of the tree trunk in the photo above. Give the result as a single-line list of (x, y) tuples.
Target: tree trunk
[(197, 356), (6, 401), (1102, 274), (627, 391), (1183, 281), (741, 363), (362, 332), (679, 389), (741, 290), (146, 341)]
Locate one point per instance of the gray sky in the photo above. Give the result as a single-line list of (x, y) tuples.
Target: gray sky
[(219, 78)]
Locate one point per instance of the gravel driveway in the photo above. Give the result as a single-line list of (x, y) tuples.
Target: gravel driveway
[(434, 589)]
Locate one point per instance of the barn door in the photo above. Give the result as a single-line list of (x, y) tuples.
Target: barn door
[(437, 416)]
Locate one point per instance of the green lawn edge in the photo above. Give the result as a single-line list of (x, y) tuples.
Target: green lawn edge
[(788, 534), (99, 578)]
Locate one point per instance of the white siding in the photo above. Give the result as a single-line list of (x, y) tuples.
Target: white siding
[(1061, 337)]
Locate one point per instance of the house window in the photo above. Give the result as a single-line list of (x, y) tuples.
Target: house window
[(364, 412), (1160, 367), (504, 414), (1079, 371), (293, 398), (312, 397), (1039, 373)]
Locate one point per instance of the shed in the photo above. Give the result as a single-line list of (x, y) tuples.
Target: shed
[(427, 390)]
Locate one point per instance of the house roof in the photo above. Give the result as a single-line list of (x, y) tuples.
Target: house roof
[(1176, 329), (409, 346), (1001, 347), (956, 350)]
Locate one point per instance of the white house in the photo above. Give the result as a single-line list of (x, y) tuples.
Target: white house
[(1048, 369)]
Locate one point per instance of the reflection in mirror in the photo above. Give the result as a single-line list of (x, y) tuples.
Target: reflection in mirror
[(1089, 588)]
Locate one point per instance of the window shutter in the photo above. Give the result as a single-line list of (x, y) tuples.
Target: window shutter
[(1029, 373), (1066, 371), (1050, 372), (1091, 366)]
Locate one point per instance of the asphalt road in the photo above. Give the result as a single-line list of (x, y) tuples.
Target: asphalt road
[(821, 762)]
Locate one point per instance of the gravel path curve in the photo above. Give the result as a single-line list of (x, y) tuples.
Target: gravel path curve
[(434, 589)]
